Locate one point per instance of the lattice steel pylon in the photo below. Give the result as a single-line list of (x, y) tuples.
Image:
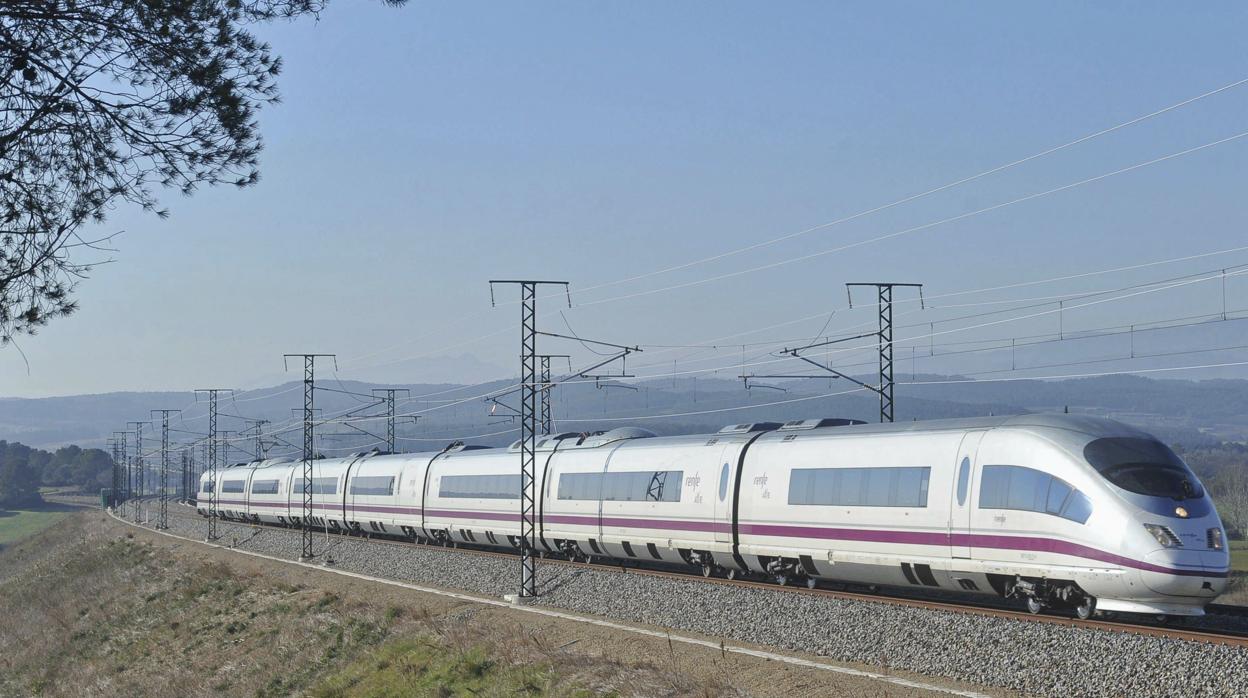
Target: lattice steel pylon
[(529, 388), (548, 426), (112, 452), (162, 517), (186, 475), (309, 443), (125, 464), (138, 464), (388, 398), (213, 484), (119, 459), (885, 334)]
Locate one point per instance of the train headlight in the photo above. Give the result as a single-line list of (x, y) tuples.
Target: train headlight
[(1165, 537), (1215, 539)]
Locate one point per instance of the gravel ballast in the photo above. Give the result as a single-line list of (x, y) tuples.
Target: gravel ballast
[(1035, 658)]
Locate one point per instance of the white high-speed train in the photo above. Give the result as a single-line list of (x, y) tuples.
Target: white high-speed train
[(1060, 511)]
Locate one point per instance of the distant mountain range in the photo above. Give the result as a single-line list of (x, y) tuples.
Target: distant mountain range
[(1187, 412)]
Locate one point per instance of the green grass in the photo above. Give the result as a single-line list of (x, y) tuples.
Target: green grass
[(17, 524), (1239, 555)]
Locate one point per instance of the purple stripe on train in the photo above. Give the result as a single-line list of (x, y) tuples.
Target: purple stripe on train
[(970, 540), (932, 538)]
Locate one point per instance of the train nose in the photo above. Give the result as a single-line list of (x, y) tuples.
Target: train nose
[(1190, 573)]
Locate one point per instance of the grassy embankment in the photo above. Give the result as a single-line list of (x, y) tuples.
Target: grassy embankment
[(90, 610), (18, 524)]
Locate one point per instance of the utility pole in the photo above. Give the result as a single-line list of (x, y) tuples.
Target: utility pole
[(389, 401), (309, 444), (547, 424), (885, 311), (203, 454), (186, 475), (122, 472), (112, 450), (258, 425), (227, 442), (124, 449), (162, 518), (213, 485), (138, 462), (528, 424)]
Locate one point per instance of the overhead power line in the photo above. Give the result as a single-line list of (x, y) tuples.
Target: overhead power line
[(915, 197)]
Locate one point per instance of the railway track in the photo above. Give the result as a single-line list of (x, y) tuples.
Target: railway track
[(1233, 638)]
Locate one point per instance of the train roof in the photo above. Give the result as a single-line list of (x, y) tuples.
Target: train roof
[(1061, 427), (1087, 424)]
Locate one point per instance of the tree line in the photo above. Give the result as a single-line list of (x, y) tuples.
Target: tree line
[(23, 470)]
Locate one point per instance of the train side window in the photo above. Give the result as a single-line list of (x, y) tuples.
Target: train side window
[(723, 482), (264, 487), (1028, 489), (373, 485), (324, 485), (964, 479), (869, 487), (1025, 489), (504, 486), (1078, 507), (649, 485), (993, 486), (1058, 491)]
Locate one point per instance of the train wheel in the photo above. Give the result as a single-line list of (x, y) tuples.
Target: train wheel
[(707, 570), (731, 574), (811, 582), (1034, 605), (1085, 609), (781, 579)]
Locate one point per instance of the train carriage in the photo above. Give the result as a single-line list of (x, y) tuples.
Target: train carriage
[(472, 496), (268, 491), (823, 503), (374, 499), (1059, 511)]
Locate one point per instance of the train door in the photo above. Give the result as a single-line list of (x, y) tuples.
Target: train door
[(727, 473), (960, 495)]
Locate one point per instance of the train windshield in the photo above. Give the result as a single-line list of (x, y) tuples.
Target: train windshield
[(1143, 466)]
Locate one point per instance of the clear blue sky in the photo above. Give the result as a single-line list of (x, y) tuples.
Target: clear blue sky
[(420, 151)]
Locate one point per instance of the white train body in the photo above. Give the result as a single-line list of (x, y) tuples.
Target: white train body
[(1056, 509)]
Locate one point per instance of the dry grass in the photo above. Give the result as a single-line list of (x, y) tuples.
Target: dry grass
[(90, 611)]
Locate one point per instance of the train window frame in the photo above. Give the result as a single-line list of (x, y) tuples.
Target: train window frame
[(723, 481), (233, 486), (876, 487), (1075, 505)]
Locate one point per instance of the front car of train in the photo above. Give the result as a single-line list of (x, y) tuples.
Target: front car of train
[(1169, 544)]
